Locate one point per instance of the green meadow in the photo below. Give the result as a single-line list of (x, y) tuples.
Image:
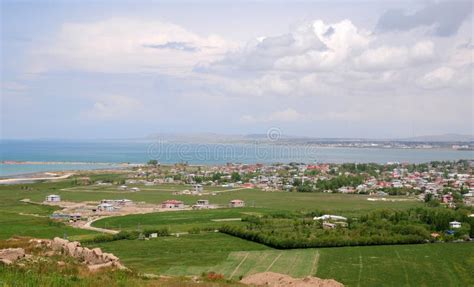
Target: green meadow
[(193, 254), (447, 264)]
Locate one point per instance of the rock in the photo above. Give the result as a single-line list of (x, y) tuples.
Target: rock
[(6, 262), (58, 244), (12, 254), (71, 248), (49, 253), (110, 257), (94, 257), (97, 252), (119, 265), (96, 267)]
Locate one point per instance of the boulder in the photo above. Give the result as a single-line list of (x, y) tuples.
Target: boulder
[(58, 244), (12, 254), (96, 267), (6, 261)]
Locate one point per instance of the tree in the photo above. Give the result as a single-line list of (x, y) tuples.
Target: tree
[(235, 176), (153, 162)]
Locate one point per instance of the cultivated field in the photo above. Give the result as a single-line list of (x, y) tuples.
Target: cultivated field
[(396, 265), (401, 265), (253, 197)]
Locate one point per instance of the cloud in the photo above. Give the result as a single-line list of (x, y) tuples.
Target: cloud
[(389, 57), (444, 17), (284, 116), (180, 46), (438, 78), (311, 46), (333, 76), (115, 107), (126, 45)]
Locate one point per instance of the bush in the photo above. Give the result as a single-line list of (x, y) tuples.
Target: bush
[(126, 235), (379, 227)]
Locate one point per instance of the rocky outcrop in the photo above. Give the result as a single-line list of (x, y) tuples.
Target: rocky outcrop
[(93, 258), (10, 255), (271, 279)]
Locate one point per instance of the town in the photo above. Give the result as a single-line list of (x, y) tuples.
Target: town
[(449, 184)]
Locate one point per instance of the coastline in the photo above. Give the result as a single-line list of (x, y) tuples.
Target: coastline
[(15, 162)]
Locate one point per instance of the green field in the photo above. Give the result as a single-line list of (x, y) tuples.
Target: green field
[(13, 224), (397, 265), (178, 221), (24, 219), (253, 197)]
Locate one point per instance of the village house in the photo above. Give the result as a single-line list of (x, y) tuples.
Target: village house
[(447, 198), (105, 207), (455, 224), (330, 217), (236, 203), (248, 185), (203, 204), (172, 204), (74, 217), (53, 198), (197, 188)]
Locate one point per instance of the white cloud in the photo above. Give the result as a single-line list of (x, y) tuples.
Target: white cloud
[(115, 107), (393, 57), (316, 73), (127, 45), (438, 78), (283, 116)]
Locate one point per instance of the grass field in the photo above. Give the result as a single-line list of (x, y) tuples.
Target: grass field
[(178, 221), (14, 224), (396, 265), (23, 219), (253, 197), (196, 252), (401, 265)]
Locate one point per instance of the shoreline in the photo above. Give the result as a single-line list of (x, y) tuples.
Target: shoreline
[(45, 176), (15, 162)]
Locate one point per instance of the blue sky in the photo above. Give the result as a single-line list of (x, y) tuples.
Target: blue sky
[(118, 69)]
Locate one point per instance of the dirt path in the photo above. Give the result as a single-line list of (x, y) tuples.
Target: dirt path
[(273, 262), (238, 266), (314, 266), (103, 230)]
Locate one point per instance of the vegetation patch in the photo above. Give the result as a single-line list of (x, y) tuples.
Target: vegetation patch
[(284, 230)]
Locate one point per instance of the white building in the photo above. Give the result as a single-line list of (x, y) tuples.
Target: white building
[(105, 207), (172, 204), (329, 216), (455, 224), (197, 188), (53, 198), (236, 203)]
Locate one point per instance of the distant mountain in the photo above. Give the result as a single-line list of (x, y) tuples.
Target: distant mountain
[(229, 138), (441, 138)]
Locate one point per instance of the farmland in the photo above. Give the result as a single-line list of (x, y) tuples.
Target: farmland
[(415, 265), (254, 197), (192, 254)]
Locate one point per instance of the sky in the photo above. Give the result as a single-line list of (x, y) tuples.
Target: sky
[(128, 69)]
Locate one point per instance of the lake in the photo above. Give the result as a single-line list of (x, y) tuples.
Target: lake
[(73, 155)]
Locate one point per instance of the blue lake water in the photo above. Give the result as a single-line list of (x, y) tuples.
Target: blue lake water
[(193, 153)]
